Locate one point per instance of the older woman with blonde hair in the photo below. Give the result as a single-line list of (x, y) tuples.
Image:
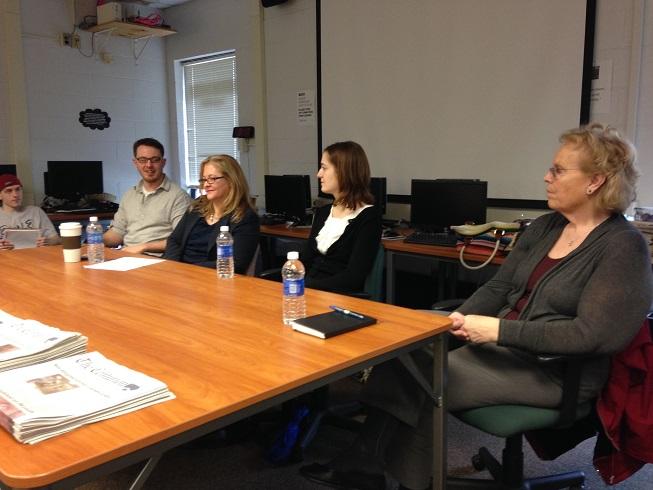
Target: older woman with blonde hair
[(224, 201), (577, 283)]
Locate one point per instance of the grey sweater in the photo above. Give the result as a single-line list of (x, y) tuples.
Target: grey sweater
[(591, 303), (30, 217)]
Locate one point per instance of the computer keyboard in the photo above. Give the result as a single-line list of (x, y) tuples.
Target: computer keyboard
[(431, 238), (271, 219), (77, 210)]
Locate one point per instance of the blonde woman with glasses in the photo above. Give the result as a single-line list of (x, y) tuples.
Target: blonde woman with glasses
[(224, 201)]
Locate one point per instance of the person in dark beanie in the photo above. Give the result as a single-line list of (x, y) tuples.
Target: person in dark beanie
[(13, 215)]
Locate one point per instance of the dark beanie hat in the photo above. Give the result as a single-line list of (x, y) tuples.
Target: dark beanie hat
[(8, 179)]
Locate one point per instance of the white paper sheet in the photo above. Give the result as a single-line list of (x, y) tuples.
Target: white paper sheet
[(124, 264)]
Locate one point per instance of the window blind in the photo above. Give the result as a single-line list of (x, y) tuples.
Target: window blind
[(210, 110)]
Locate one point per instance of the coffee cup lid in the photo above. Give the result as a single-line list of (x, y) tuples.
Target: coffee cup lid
[(71, 225)]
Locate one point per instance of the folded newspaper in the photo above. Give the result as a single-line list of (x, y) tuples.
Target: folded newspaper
[(43, 400), (25, 342)]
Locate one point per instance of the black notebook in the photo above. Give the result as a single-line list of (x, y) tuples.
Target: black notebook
[(327, 325)]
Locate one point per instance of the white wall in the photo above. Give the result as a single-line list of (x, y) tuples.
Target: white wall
[(624, 37), (644, 129), (5, 142), (13, 130), (291, 67), (61, 82)]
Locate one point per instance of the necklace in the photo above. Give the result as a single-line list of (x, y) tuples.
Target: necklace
[(214, 217), (571, 241)]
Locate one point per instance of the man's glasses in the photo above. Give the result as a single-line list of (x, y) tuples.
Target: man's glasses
[(151, 159), (210, 180), (558, 171)]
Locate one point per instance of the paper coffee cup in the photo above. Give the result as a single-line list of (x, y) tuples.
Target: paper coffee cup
[(71, 238)]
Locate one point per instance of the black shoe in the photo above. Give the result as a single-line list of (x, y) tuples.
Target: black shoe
[(348, 480)]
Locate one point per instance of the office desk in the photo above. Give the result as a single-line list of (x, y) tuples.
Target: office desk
[(62, 217), (445, 270), (219, 345), (285, 232)]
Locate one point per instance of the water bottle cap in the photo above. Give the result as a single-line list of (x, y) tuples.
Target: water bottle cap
[(292, 255), (93, 219), (224, 228)]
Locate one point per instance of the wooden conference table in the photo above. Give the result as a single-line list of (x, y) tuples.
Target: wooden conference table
[(219, 345)]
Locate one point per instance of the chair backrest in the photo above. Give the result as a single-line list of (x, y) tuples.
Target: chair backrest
[(374, 281), (256, 265)]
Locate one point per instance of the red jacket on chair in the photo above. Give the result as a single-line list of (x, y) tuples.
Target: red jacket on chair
[(625, 409)]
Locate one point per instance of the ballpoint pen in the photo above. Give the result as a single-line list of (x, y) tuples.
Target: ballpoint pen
[(346, 312)]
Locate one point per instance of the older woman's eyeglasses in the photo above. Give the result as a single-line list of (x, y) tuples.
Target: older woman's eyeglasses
[(558, 171), (210, 180)]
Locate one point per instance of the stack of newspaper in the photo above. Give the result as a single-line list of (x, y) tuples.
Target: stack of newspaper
[(25, 342), (43, 400)]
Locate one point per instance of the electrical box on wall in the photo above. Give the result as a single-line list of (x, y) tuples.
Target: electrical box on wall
[(243, 132), (109, 12)]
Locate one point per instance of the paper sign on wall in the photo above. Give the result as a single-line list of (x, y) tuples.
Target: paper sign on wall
[(306, 108), (601, 87)]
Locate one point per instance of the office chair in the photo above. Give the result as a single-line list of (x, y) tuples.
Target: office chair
[(512, 422), (256, 265), (373, 288)]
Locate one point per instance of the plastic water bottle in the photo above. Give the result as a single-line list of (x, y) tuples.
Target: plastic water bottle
[(94, 241), (225, 261), (294, 303)]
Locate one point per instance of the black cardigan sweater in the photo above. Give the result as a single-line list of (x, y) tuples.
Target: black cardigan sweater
[(349, 259), (245, 234)]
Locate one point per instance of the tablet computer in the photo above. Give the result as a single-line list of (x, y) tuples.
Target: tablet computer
[(23, 238)]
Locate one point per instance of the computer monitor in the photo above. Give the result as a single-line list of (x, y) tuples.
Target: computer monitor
[(378, 190), (438, 204), (8, 169), (288, 195), (73, 179)]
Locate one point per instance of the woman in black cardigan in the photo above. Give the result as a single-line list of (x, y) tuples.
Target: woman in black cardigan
[(225, 201), (345, 235)]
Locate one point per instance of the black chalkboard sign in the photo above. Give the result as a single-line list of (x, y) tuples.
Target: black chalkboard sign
[(94, 119)]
